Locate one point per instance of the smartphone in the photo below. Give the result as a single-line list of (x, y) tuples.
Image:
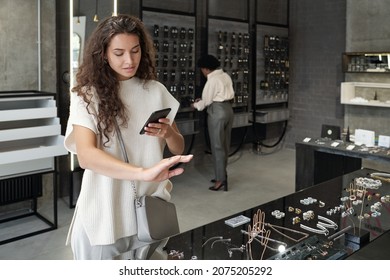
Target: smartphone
[(154, 117)]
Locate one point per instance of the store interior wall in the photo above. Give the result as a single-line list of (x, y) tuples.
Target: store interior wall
[(20, 46), (319, 31), (368, 30), (317, 40)]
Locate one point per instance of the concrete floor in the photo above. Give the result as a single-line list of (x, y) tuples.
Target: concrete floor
[(254, 178)]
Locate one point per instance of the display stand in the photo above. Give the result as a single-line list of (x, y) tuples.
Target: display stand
[(30, 136), (174, 41), (32, 216)]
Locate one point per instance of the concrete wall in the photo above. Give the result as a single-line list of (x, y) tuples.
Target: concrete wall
[(317, 40), (368, 30), (320, 31), (19, 45)]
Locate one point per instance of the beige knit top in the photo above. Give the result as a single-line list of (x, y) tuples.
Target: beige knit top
[(106, 205)]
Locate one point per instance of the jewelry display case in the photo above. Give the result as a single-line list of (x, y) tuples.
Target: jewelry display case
[(366, 62), (273, 74), (328, 221), (230, 41), (174, 41), (365, 94), (318, 160)]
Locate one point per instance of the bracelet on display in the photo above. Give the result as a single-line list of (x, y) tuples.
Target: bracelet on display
[(276, 228), (327, 222), (319, 230), (381, 176)]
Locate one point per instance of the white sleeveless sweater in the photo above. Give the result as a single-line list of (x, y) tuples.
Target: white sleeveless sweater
[(106, 205)]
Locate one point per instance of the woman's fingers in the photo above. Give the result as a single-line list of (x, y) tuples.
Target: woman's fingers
[(181, 158), (175, 160)]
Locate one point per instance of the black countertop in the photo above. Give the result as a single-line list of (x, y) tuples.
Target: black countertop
[(218, 241)]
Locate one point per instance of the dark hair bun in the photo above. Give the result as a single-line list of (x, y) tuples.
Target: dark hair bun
[(208, 61)]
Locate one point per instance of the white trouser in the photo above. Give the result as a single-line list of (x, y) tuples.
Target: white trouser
[(124, 248)]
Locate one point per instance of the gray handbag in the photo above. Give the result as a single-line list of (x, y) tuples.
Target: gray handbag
[(156, 218)]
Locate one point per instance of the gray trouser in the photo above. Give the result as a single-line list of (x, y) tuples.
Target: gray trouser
[(124, 248), (220, 122)]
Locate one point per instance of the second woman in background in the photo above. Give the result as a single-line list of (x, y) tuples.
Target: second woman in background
[(217, 97)]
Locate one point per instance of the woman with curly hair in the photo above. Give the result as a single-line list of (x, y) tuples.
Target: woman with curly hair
[(116, 83)]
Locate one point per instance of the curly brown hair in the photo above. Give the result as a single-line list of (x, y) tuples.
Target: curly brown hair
[(95, 72)]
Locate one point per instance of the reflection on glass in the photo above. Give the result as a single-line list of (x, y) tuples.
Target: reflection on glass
[(76, 47)]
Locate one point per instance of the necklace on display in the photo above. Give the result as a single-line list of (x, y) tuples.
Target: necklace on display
[(276, 228)]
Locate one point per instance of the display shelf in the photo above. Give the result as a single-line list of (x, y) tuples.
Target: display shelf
[(187, 126), (30, 149), (271, 99), (241, 120), (52, 127), (30, 139), (29, 133), (271, 115), (20, 168), (26, 108), (364, 62), (365, 94)]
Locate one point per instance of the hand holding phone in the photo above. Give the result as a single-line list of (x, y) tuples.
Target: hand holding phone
[(154, 117)]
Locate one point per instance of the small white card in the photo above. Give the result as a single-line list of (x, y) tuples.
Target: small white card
[(384, 141), (307, 139), (237, 221), (350, 147), (335, 144)]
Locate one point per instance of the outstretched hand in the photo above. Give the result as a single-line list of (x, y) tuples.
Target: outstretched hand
[(161, 171)]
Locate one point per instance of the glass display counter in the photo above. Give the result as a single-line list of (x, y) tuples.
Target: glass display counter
[(331, 220)]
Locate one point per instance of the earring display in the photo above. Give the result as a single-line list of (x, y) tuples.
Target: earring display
[(174, 41), (233, 55), (274, 86), (174, 59), (272, 76), (230, 43)]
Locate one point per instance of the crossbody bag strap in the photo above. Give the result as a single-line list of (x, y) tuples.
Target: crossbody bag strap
[(124, 153)]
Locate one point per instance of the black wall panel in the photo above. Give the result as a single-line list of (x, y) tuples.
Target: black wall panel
[(229, 9), (272, 11), (186, 6)]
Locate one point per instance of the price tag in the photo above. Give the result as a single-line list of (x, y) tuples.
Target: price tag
[(350, 147), (307, 139)]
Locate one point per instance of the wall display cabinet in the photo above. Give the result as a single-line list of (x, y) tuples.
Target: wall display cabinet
[(29, 133), (174, 41), (364, 62), (365, 94), (229, 41), (30, 136), (272, 72)]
